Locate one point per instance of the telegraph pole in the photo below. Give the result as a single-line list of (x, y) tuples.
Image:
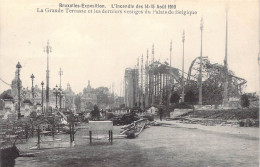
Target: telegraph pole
[(225, 99), (200, 75), (183, 39), (47, 49)]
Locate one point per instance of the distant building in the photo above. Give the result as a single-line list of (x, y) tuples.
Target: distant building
[(69, 98), (88, 98)]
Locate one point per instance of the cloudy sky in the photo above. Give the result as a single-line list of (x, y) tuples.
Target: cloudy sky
[(98, 47)]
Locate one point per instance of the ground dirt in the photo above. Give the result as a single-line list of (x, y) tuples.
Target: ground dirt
[(154, 147)]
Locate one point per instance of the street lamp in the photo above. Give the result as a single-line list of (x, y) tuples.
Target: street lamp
[(32, 76), (60, 94), (18, 66), (42, 95), (56, 94)]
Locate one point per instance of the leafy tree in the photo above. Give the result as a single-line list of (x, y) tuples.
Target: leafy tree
[(190, 97), (175, 97), (102, 95), (33, 115), (95, 114), (244, 101), (6, 95), (89, 106), (212, 90)]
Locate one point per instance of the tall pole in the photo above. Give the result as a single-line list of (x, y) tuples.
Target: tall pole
[(60, 73), (60, 93), (153, 53), (152, 76), (47, 50), (146, 80), (18, 66), (200, 75), (225, 99), (137, 84), (142, 61), (171, 54), (32, 76), (56, 93), (169, 88), (259, 55), (42, 95), (182, 95)]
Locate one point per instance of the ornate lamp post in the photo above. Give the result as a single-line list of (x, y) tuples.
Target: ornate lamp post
[(32, 76), (56, 94), (42, 95), (60, 94), (18, 66)]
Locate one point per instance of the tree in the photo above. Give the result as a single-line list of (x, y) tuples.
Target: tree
[(95, 114), (190, 97), (6, 94), (244, 101), (89, 106), (102, 95), (175, 97)]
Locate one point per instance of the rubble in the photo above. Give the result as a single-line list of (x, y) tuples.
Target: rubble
[(134, 129), (232, 117), (125, 119)]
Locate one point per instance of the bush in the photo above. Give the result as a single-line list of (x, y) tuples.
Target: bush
[(244, 101)]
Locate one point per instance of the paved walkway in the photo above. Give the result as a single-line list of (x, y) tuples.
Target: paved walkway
[(235, 130)]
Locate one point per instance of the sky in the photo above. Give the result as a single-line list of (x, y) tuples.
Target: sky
[(98, 47)]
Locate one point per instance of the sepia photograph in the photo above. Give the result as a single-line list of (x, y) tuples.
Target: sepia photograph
[(129, 83)]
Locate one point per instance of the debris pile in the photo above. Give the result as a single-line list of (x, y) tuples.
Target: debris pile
[(134, 129), (232, 117), (125, 119)]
